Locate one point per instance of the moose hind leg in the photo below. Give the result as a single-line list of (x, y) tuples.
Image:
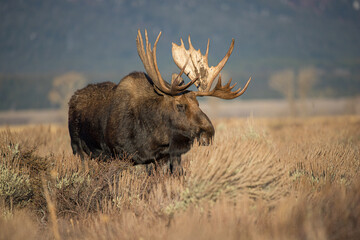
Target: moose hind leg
[(77, 149)]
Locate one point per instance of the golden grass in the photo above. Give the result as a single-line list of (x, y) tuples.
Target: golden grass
[(260, 179)]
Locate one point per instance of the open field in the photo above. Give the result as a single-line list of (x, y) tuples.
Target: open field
[(262, 178)]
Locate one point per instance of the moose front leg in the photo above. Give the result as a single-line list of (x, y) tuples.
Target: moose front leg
[(179, 145), (175, 165)]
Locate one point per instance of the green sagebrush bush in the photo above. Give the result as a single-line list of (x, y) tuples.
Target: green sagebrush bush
[(15, 188)]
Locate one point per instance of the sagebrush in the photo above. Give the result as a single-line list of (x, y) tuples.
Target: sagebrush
[(260, 179)]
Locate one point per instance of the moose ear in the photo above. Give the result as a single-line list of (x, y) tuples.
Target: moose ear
[(181, 107)]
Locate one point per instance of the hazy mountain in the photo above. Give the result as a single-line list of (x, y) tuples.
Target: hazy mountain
[(40, 39)]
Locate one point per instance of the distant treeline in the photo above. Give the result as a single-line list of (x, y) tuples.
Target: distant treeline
[(32, 91)]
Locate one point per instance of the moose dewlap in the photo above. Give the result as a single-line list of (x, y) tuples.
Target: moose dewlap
[(145, 117)]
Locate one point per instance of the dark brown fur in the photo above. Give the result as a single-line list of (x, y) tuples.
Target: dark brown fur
[(109, 120)]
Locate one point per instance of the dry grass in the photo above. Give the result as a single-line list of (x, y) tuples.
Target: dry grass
[(261, 179)]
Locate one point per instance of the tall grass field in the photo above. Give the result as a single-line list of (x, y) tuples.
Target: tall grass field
[(262, 178)]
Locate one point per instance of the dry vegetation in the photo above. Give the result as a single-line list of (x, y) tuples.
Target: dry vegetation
[(261, 179)]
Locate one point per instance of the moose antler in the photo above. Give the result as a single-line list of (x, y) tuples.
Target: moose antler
[(148, 58), (224, 92), (199, 71)]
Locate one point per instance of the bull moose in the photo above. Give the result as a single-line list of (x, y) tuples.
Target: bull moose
[(145, 117)]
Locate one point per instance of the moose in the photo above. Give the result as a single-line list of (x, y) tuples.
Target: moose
[(144, 116)]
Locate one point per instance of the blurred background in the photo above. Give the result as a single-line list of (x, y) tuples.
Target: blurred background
[(303, 55)]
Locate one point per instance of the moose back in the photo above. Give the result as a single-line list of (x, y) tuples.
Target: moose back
[(144, 117)]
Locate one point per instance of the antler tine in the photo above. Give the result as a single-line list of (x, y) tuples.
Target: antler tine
[(164, 85), (220, 66), (244, 89), (191, 47), (207, 50), (141, 52), (149, 60), (147, 57), (224, 92), (175, 86)]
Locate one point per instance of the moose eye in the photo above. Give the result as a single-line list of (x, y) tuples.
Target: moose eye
[(181, 107)]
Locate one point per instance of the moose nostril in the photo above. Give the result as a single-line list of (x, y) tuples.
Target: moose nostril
[(204, 139)]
